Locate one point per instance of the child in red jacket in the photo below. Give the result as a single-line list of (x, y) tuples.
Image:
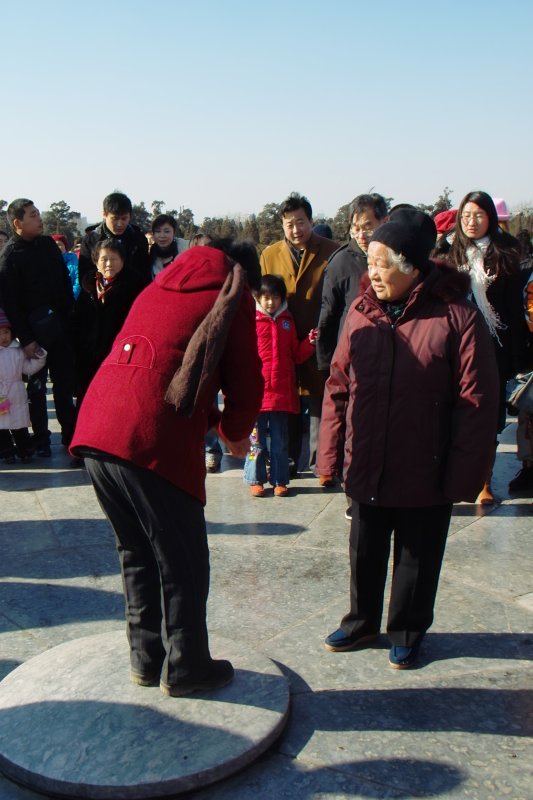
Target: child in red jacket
[(279, 350)]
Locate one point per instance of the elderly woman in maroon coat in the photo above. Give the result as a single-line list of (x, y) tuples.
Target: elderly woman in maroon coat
[(409, 418), (141, 431)]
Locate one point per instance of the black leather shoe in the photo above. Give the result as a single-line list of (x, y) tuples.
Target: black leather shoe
[(220, 673), (338, 641)]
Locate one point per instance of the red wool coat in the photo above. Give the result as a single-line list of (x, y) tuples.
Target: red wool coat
[(279, 350), (124, 412)]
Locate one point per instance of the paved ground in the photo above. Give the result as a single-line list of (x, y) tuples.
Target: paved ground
[(460, 726)]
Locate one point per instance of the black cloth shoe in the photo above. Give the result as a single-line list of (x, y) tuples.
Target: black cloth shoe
[(339, 642), (44, 451), (523, 480), (403, 657), (220, 673)]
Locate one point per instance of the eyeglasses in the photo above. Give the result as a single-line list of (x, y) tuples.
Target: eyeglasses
[(362, 231), (479, 217)]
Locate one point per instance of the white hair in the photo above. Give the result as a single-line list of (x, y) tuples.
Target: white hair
[(398, 260)]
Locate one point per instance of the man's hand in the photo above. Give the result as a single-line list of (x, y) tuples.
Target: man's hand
[(237, 449), (31, 349)]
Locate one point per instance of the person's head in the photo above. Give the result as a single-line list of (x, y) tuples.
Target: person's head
[(4, 238), (164, 229), (61, 241), (6, 335), (108, 256), (477, 217), (117, 212), (25, 218), (323, 229), (398, 253), (366, 213), (296, 217), (199, 239), (272, 293), (243, 253), (524, 240)]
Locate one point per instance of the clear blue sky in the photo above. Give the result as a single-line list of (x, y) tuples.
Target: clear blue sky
[(225, 105)]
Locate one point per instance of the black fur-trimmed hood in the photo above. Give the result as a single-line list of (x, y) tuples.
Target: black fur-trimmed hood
[(446, 282)]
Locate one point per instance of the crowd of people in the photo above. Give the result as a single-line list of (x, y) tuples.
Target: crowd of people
[(382, 363)]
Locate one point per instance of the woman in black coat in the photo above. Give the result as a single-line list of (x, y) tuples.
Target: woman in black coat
[(107, 295), (491, 257)]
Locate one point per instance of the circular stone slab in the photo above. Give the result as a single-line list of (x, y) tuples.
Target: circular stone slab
[(72, 724)]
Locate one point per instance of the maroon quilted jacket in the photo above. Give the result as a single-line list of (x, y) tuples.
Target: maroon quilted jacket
[(410, 409)]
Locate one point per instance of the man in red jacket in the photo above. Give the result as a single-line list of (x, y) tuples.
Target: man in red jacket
[(141, 431), (411, 409)]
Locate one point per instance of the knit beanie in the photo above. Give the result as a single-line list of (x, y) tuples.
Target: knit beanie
[(409, 232), (445, 221), (4, 322), (58, 237)]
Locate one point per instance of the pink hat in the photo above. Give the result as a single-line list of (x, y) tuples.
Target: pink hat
[(4, 322), (501, 209), (445, 221)]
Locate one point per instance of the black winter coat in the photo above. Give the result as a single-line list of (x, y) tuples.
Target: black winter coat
[(33, 275), (343, 274), (96, 323), (135, 247)]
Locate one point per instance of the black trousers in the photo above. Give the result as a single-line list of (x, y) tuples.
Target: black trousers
[(419, 542), (15, 441), (60, 364), (313, 404), (161, 541)]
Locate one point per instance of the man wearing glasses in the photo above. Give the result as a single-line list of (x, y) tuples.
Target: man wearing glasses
[(344, 272)]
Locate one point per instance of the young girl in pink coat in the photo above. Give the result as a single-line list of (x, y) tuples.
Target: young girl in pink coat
[(14, 413), (279, 351)]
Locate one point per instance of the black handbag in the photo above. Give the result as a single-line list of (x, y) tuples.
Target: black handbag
[(47, 326)]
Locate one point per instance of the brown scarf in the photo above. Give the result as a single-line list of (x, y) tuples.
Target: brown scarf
[(206, 346)]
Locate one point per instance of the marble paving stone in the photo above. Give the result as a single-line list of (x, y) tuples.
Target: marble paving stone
[(94, 561), (73, 725), (458, 643), (257, 591), (29, 604), (444, 723), (496, 552), (25, 537), (283, 778)]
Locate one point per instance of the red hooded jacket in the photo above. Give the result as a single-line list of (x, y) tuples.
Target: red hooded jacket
[(279, 351), (124, 412)]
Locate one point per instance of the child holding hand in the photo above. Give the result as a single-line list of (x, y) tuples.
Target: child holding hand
[(279, 351)]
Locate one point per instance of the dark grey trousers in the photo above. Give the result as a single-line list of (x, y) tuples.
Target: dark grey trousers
[(161, 540)]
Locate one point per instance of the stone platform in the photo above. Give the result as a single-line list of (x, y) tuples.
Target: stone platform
[(72, 725)]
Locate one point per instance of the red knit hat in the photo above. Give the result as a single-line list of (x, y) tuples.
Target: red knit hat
[(58, 237), (445, 221)]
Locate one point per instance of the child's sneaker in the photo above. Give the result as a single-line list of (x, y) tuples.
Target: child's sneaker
[(256, 490), (280, 491)]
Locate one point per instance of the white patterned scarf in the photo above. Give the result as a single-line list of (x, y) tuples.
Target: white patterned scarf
[(480, 280)]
